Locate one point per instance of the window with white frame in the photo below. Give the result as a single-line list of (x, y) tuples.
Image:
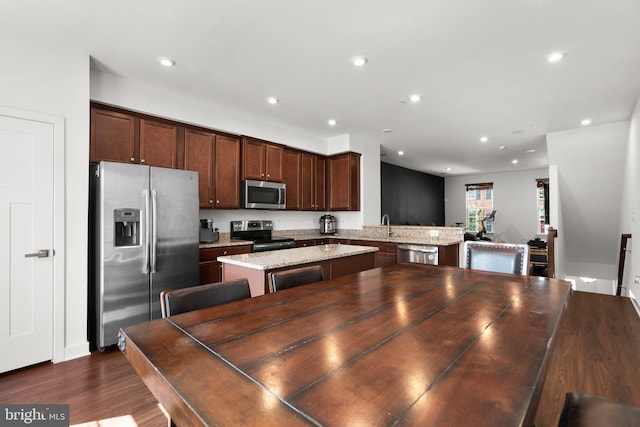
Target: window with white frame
[(479, 205)]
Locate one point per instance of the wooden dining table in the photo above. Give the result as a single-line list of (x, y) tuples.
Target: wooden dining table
[(408, 344)]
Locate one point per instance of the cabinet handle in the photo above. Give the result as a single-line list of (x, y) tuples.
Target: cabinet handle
[(268, 175), (262, 175), (210, 202), (217, 201), (224, 253), (133, 159), (141, 160)]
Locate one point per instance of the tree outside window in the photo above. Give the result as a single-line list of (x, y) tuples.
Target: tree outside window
[(479, 205)]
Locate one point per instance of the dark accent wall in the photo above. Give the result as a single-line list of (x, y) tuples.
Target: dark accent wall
[(411, 197)]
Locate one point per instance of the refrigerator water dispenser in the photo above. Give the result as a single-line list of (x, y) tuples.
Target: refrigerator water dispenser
[(127, 227)]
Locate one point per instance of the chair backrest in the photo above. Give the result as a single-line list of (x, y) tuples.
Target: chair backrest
[(280, 280), (497, 257), (197, 297), (586, 410)]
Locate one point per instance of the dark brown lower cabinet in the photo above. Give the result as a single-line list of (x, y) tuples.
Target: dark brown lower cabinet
[(449, 255), (210, 268), (387, 251)]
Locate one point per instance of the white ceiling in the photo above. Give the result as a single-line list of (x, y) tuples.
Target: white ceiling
[(479, 65)]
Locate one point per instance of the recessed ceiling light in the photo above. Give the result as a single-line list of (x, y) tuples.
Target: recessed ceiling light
[(585, 122), (166, 62), (447, 169), (514, 161), (272, 100), (387, 130), (332, 122), (502, 147), (531, 150), (484, 139), (359, 61), (400, 153), (556, 56), (415, 98)]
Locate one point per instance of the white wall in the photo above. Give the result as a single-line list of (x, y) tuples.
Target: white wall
[(555, 219), (514, 198), (54, 80), (590, 164), (631, 205)]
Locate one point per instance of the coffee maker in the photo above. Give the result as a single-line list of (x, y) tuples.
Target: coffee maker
[(328, 224), (207, 232)]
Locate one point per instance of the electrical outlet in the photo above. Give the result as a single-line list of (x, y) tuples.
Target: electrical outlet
[(434, 233)]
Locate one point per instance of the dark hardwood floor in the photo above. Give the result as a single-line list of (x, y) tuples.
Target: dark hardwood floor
[(598, 350), (99, 387), (598, 353)]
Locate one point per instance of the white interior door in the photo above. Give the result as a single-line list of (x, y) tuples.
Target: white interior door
[(26, 242)]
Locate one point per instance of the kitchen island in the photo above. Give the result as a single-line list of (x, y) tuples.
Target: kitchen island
[(336, 260)]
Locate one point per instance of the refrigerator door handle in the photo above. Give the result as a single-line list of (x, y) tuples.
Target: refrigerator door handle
[(147, 231), (154, 230)]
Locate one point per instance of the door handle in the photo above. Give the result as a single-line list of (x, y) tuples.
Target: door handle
[(42, 253)]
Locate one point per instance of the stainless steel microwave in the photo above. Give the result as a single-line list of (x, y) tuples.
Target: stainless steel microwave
[(264, 195)]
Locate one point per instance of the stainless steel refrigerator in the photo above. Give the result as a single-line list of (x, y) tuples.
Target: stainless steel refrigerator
[(144, 236)]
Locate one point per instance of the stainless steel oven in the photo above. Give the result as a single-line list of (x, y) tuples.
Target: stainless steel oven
[(259, 232), (264, 195)]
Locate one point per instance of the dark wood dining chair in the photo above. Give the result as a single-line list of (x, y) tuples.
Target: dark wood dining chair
[(509, 258), (178, 301), (286, 279), (585, 410)]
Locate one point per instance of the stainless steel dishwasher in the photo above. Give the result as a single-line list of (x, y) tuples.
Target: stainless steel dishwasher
[(421, 254)]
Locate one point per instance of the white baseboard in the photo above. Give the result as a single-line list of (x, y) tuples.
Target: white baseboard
[(634, 301), (77, 350)]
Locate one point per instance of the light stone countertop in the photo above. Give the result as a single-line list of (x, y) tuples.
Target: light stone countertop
[(408, 238), (415, 235), (295, 256), (225, 241)]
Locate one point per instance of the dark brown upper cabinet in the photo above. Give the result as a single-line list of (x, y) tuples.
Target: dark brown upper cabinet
[(216, 158), (261, 160), (314, 186), (117, 136), (344, 182), (291, 170)]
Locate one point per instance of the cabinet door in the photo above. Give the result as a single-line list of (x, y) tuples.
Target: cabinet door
[(320, 182), (227, 173), (273, 162), (313, 192), (158, 144), (210, 268), (344, 182), (210, 272), (253, 160), (291, 177), (307, 192), (112, 137), (199, 158), (386, 254)]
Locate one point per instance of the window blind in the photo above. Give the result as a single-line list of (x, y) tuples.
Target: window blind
[(479, 186)]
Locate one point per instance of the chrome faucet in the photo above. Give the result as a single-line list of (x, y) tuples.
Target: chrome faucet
[(386, 216)]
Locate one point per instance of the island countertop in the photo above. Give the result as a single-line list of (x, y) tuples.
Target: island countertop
[(270, 260)]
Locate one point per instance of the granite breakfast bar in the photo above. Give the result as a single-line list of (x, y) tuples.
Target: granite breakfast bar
[(335, 259)]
